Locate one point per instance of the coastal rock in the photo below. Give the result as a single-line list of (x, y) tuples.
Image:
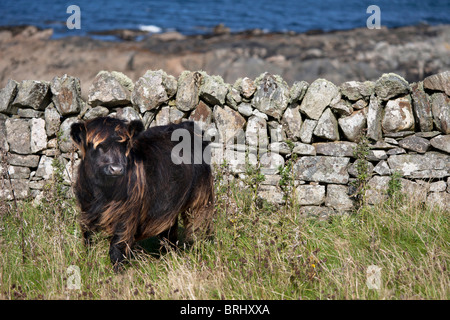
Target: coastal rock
[(391, 85), (441, 142), (176, 115), (212, 134), (353, 125), (440, 199), (65, 141), (292, 123), (280, 147), (343, 107), (272, 194), (327, 126), (167, 115), (7, 96), (33, 94), (415, 143), (30, 161), (245, 109), (422, 108), (417, 191), (398, 135), (153, 89), (213, 90), (393, 151), (245, 86), (320, 94), (336, 149), (428, 135), (430, 165), (354, 173), (128, 113), (258, 113), (304, 149), (392, 141), (233, 98), (338, 198), (124, 80), (322, 169), (38, 135), (70, 174), (440, 105), (18, 135), (3, 141), (297, 91), (45, 168), (276, 131), (108, 89), (272, 180), (271, 96), (230, 124), (16, 172), (355, 90), (410, 51), (382, 144), (438, 186), (201, 115), (439, 82), (21, 189), (376, 192), (382, 168), (66, 94), (256, 133), (147, 118), (377, 155), (360, 104), (188, 90), (270, 162), (310, 195), (307, 130), (374, 114), (398, 115), (92, 113), (29, 113), (163, 116)]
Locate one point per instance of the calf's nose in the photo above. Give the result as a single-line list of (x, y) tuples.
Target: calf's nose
[(115, 170)]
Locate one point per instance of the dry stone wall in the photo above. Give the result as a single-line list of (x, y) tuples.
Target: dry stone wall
[(262, 120)]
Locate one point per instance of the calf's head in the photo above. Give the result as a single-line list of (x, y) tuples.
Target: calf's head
[(105, 145)]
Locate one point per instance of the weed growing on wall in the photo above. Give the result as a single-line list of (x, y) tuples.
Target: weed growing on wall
[(363, 176)]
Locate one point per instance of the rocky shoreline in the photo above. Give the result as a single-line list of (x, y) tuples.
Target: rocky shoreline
[(414, 52)]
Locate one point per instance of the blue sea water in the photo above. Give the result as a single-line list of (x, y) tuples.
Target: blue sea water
[(200, 16)]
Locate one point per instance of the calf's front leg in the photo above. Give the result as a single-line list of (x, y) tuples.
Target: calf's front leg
[(118, 252)]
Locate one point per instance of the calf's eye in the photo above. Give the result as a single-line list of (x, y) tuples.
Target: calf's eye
[(101, 148)]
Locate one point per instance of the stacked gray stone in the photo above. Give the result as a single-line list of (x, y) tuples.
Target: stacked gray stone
[(261, 120)]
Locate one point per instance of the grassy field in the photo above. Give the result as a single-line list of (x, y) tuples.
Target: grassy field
[(258, 252)]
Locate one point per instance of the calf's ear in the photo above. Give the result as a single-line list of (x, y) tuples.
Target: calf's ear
[(135, 127), (78, 133)]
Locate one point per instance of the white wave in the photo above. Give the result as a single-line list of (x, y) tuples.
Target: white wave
[(150, 28)]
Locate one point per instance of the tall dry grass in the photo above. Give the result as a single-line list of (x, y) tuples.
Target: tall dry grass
[(258, 252)]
